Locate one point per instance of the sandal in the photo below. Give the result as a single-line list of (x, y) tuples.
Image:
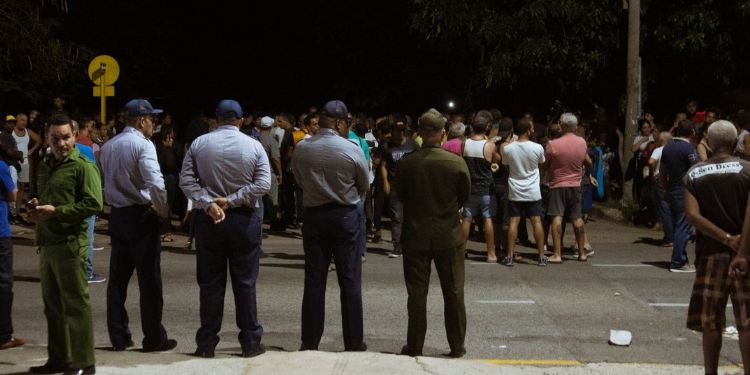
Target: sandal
[(491, 260)]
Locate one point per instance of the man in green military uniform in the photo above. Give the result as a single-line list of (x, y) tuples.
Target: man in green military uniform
[(67, 192), (433, 185)]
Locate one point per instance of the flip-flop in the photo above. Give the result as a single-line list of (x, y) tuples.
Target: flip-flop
[(551, 261)]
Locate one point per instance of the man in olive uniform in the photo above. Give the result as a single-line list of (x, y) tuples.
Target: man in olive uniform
[(433, 185), (67, 191)]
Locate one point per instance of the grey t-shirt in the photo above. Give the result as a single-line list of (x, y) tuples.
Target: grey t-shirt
[(270, 145)]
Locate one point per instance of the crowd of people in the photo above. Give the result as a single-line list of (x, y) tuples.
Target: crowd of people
[(335, 174)]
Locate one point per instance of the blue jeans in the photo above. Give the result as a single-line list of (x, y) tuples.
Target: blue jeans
[(676, 200), (664, 213), (89, 265)]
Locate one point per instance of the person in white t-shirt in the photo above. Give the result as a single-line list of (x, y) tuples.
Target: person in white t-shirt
[(523, 158), (659, 191)]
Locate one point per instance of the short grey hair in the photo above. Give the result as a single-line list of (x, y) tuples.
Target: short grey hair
[(569, 120), (721, 134), (456, 130)]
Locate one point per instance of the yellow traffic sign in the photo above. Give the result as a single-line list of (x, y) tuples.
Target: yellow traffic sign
[(104, 71), (108, 91), (104, 66)]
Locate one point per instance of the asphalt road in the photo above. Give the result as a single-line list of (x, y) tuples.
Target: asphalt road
[(561, 312)]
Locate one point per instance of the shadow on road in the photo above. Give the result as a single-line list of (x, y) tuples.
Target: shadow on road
[(182, 250), (649, 241), (664, 265), (285, 256), (28, 279), (296, 266)]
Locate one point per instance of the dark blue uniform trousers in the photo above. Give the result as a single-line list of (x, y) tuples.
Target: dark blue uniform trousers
[(234, 242), (332, 231), (134, 233)]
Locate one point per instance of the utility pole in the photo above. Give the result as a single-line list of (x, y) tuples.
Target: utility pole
[(633, 87)]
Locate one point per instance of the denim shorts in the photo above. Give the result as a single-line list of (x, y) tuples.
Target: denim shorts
[(480, 205)]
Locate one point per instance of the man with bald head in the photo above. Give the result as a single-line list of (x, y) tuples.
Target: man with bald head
[(716, 202), (566, 157)]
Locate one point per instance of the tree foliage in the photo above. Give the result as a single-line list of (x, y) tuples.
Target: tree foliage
[(689, 47), (565, 43), (33, 63)]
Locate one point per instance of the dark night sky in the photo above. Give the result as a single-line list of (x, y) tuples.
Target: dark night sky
[(279, 56)]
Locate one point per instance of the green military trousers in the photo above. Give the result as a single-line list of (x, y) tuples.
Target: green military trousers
[(450, 268), (65, 291)]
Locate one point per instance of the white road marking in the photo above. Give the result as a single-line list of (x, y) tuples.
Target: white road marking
[(507, 302), (621, 265), (668, 304)]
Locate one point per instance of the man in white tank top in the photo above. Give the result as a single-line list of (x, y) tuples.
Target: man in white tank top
[(482, 204), (28, 143)]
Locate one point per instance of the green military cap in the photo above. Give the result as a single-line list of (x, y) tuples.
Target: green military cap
[(431, 120)]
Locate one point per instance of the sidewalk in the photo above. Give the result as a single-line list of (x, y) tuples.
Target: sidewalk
[(311, 363)]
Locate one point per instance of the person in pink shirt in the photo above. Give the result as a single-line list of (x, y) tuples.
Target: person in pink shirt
[(456, 138), (566, 157)]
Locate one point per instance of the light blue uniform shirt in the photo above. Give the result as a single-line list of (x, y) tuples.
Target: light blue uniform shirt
[(225, 163), (330, 169), (131, 172)]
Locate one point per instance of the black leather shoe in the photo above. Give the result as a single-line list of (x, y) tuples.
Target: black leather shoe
[(410, 352), (304, 347), (204, 353), (49, 368), (254, 352), (457, 353), (119, 348), (84, 371), (166, 346), (361, 348)]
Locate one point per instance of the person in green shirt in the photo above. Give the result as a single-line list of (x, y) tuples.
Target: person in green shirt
[(67, 191), (433, 185)]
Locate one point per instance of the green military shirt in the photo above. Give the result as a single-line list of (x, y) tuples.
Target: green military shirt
[(74, 187), (433, 185)]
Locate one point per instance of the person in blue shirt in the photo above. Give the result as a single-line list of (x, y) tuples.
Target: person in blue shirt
[(88, 152), (676, 159), (8, 189)]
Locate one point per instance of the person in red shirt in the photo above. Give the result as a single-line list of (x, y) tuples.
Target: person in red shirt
[(566, 157)]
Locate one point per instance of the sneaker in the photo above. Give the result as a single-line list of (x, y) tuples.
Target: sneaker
[(98, 248), (96, 279), (396, 253), (543, 261), (507, 261), (686, 268)]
